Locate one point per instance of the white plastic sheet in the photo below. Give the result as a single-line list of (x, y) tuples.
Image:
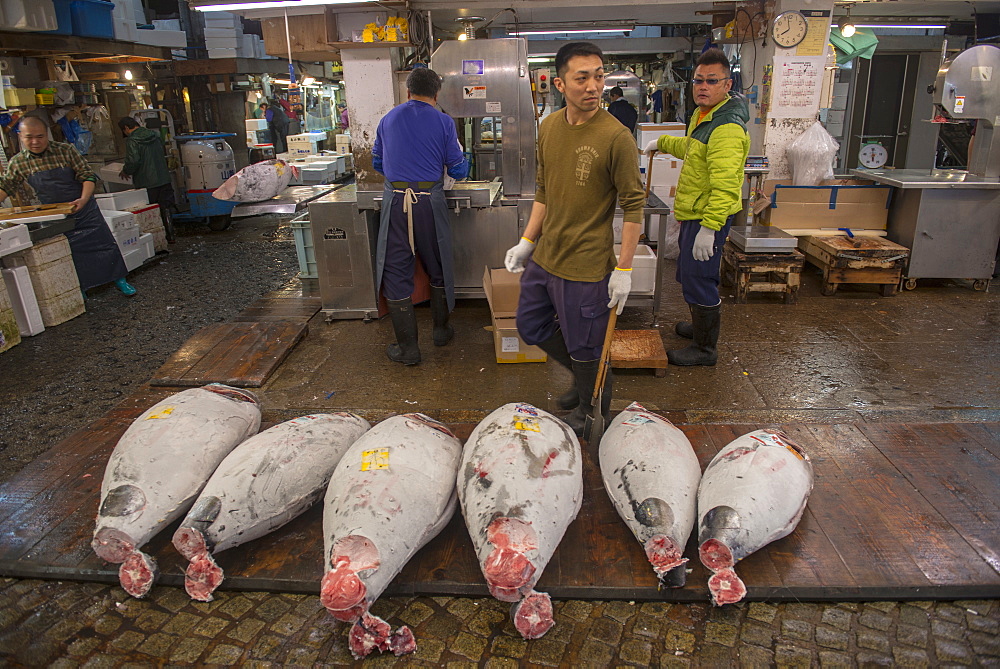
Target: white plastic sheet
[(811, 156)]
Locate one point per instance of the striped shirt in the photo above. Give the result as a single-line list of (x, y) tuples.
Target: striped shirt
[(58, 154)]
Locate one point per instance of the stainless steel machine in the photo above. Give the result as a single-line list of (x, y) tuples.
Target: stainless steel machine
[(950, 219), (482, 79)]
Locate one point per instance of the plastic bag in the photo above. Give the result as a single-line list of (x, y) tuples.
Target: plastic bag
[(671, 241), (811, 156)]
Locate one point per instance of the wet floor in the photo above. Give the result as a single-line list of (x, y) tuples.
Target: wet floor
[(930, 354)]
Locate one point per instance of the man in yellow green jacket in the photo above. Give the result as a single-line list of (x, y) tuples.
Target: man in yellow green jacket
[(709, 193)]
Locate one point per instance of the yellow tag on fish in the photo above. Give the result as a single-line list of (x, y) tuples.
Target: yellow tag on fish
[(163, 413), (527, 424), (376, 459)]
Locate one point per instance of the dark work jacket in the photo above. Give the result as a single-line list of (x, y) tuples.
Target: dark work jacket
[(624, 112)]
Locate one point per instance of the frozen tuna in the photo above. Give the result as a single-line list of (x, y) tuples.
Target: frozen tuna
[(392, 492), (520, 486), (257, 182), (651, 474), (158, 468), (753, 492), (262, 484)]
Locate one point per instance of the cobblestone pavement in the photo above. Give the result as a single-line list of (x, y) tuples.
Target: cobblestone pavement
[(60, 624)]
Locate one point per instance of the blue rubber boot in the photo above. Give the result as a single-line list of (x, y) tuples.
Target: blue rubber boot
[(127, 289)]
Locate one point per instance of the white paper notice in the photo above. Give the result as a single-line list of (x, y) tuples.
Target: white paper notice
[(796, 87), (509, 345)]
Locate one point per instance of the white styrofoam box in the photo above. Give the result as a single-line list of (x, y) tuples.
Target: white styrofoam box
[(146, 244), (125, 30), (110, 174), (22, 299), (643, 269), (33, 15), (168, 38), (222, 53), (128, 238), (650, 131), (119, 220), (123, 10), (14, 239), (221, 19), (246, 46), (221, 32), (122, 200), (167, 24), (835, 129), (231, 42), (256, 124), (134, 257), (666, 170), (836, 116)]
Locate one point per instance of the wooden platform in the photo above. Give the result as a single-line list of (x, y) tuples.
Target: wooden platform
[(857, 260), (240, 354), (898, 512), (639, 349)]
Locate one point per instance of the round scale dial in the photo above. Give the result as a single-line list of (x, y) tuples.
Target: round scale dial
[(789, 28), (873, 155)]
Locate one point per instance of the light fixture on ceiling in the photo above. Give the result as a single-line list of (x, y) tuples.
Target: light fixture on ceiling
[(603, 27), (568, 31), (282, 82), (904, 26), (847, 27), (539, 59), (308, 81), (128, 75), (269, 4)]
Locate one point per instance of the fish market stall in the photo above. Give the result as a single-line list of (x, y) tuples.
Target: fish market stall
[(950, 219)]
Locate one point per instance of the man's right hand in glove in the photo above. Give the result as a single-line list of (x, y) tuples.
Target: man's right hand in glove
[(518, 255), (652, 146)]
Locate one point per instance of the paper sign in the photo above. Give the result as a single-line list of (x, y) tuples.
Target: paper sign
[(493, 108), (375, 459), (796, 86), (474, 92), (959, 104)]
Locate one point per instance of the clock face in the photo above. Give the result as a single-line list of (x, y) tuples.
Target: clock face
[(789, 29), (873, 155)]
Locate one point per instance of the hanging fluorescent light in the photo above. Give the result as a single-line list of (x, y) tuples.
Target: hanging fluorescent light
[(282, 82), (568, 31), (539, 59), (908, 26), (308, 81), (273, 4)]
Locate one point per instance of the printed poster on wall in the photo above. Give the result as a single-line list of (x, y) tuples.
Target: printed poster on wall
[(796, 86)]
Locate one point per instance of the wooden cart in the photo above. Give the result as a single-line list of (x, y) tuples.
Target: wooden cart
[(857, 260)]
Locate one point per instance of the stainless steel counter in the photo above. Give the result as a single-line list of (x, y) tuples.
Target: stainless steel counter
[(289, 201), (926, 179)]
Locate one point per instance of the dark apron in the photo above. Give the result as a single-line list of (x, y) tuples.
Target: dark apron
[(95, 251), (442, 228)]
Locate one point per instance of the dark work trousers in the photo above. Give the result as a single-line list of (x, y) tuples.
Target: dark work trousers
[(700, 279), (579, 308), (164, 196), (397, 277)]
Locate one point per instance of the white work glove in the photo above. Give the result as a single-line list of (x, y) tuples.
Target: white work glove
[(518, 255), (652, 146), (619, 286), (704, 244)]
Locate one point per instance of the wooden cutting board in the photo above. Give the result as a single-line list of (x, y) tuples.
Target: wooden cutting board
[(14, 213)]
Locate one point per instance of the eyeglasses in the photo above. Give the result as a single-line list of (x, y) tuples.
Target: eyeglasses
[(710, 82)]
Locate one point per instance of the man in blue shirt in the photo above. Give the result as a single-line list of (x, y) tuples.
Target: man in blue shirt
[(415, 145)]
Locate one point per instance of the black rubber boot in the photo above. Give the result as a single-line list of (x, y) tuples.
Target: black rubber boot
[(443, 332), (706, 335), (585, 374), (684, 328), (555, 347), (404, 323)]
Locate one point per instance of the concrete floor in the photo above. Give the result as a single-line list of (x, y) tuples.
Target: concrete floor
[(930, 355)]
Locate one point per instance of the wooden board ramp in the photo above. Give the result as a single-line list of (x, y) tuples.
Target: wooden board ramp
[(639, 349), (240, 354), (296, 309), (898, 512)]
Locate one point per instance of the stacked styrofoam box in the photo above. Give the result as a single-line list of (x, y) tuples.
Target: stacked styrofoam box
[(255, 124), (53, 276), (123, 17), (33, 15), (122, 200), (649, 131), (643, 269), (127, 237), (162, 37), (13, 239), (147, 217), (245, 49), (305, 143), (258, 48), (22, 300), (118, 221), (10, 336), (223, 34)]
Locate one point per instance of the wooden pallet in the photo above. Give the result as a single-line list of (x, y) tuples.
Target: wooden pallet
[(240, 354), (762, 272), (845, 259), (898, 511), (639, 349)]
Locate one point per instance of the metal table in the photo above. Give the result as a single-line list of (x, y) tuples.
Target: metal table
[(655, 205), (289, 201), (948, 219)]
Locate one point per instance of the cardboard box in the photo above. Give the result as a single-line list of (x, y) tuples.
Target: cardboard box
[(858, 204), (502, 292)]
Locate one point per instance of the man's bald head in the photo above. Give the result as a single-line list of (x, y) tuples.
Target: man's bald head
[(32, 122)]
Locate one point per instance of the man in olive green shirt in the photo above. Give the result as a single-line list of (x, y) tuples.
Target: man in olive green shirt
[(587, 162)]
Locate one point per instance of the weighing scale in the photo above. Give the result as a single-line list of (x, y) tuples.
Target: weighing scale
[(762, 239)]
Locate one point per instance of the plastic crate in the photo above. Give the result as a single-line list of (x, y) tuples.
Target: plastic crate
[(64, 18), (92, 18), (302, 231)]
